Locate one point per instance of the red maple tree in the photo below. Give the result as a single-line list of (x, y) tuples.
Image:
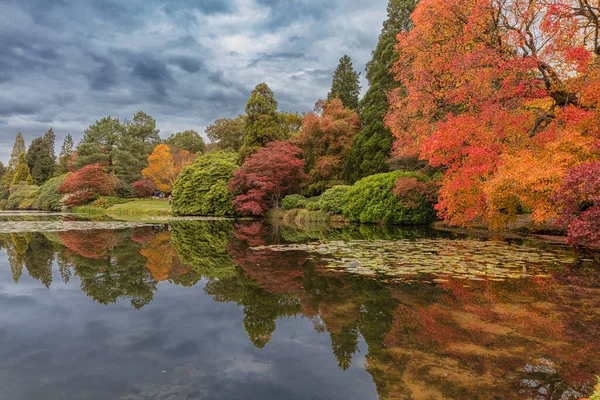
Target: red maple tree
[(143, 188), (265, 177), (87, 183)]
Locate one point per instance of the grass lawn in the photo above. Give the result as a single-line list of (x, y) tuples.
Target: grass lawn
[(141, 207)]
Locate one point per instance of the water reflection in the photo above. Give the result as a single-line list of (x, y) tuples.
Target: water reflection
[(535, 338)]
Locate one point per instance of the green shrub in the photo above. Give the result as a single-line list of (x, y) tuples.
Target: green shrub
[(124, 190), (201, 189), (22, 196), (334, 199), (3, 204), (293, 201), (107, 202), (372, 200), (48, 198), (313, 204)]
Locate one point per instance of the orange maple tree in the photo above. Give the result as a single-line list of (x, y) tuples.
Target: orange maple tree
[(503, 97), (326, 138), (164, 165)]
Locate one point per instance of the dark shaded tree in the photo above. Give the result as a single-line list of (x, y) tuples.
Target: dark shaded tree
[(99, 144), (67, 150), (371, 148), (346, 84), (41, 157)]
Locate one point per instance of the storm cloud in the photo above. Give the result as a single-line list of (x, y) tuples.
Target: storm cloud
[(67, 63)]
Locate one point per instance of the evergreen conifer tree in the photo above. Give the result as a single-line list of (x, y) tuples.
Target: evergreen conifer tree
[(66, 154), (372, 146), (262, 120), (346, 84), (41, 157)]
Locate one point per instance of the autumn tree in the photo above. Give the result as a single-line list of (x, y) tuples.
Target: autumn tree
[(262, 120), (143, 188), (326, 139), (164, 165), (372, 146), (227, 133), (346, 84), (503, 97), (65, 158), (22, 173), (187, 140), (578, 198), (266, 177), (41, 157), (86, 184)]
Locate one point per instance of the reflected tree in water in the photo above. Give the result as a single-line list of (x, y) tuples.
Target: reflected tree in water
[(110, 266), (203, 246)]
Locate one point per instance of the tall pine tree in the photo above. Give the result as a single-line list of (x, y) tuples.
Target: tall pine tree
[(99, 143), (66, 154), (41, 157), (346, 84), (262, 120), (372, 146), (135, 145)]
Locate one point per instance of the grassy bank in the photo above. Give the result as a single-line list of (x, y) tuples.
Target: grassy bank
[(133, 208), (141, 207)]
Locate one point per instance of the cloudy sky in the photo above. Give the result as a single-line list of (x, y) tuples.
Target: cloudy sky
[(66, 63)]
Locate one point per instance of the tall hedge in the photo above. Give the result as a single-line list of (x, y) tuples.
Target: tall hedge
[(372, 200), (201, 189)]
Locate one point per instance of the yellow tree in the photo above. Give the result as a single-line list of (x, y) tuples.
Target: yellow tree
[(164, 165)]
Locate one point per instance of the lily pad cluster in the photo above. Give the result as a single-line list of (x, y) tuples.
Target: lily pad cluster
[(438, 259)]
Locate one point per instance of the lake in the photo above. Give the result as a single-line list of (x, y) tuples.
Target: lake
[(217, 309)]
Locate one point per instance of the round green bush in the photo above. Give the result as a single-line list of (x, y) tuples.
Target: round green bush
[(333, 200), (371, 200), (201, 188), (293, 201)]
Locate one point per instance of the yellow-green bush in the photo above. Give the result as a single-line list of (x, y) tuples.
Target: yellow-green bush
[(201, 189), (22, 196)]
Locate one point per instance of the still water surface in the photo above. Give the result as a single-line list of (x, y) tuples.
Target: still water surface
[(245, 310)]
